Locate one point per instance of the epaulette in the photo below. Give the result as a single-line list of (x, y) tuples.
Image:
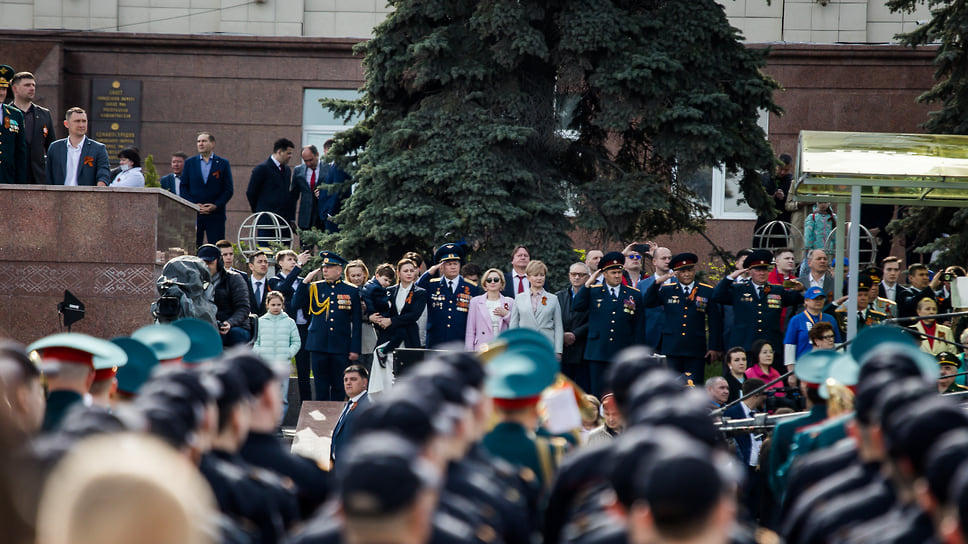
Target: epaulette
[(706, 285), (882, 314), (841, 309), (470, 282), (887, 301), (596, 285), (434, 280), (633, 288)]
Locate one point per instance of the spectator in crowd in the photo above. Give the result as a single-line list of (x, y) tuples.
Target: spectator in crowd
[(889, 288), (448, 297), (172, 182), (286, 281), (538, 309), (817, 226), (762, 356), (919, 278), (278, 339), (329, 196), (407, 303), (735, 359), (823, 336), (592, 258), (472, 272), (785, 266), (269, 185), (306, 181), (489, 314), (231, 298), (130, 175), (862, 312), (376, 300), (575, 325), (591, 416), (818, 273), (257, 283), (949, 365), (207, 181), (633, 273), (934, 337), (748, 445), (516, 281), (228, 257), (356, 274), (355, 380), (718, 391), (38, 126), (77, 159), (797, 341), (612, 422), (777, 184), (655, 317)]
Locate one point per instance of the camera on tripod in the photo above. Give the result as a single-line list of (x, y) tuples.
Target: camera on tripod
[(791, 399)]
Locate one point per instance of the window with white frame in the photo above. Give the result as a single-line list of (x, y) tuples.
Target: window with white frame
[(319, 124)]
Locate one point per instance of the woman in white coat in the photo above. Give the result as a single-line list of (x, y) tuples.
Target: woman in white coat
[(538, 309)]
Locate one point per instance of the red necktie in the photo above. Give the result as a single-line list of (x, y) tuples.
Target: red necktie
[(520, 284), (312, 181)]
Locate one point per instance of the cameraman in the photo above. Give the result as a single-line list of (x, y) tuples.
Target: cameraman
[(231, 298)]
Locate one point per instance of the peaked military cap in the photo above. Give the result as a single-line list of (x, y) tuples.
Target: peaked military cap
[(612, 259), (683, 260), (948, 358), (814, 366), (141, 361), (6, 75), (332, 259), (206, 342), (449, 252), (73, 347), (759, 258), (167, 341)]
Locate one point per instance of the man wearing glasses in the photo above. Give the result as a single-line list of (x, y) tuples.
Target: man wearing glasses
[(575, 325), (633, 264), (797, 340)]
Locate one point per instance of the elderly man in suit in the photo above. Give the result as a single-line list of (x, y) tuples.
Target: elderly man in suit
[(77, 159), (575, 325), (38, 126), (355, 382), (207, 181), (306, 181), (172, 182), (818, 273)]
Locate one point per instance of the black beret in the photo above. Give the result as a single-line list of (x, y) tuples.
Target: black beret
[(235, 387), (659, 385), (913, 430), (383, 474), (632, 448), (689, 413), (896, 396), (257, 371), (943, 460), (408, 411), (467, 366), (441, 377), (626, 368)]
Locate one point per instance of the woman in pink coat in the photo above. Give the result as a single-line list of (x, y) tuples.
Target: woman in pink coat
[(488, 314)]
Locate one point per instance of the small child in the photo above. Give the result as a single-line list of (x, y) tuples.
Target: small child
[(278, 339), (377, 300), (816, 227)]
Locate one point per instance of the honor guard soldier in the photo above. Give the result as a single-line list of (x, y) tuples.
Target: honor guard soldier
[(169, 343), (13, 135), (141, 361), (69, 361), (615, 312), (448, 297), (689, 309), (206, 344), (757, 305), (334, 338)]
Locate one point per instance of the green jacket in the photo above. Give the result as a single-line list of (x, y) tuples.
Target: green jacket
[(516, 445), (782, 442)]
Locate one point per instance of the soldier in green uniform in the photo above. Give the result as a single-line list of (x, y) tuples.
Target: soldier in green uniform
[(69, 361), (13, 135), (863, 313), (949, 365), (517, 378)]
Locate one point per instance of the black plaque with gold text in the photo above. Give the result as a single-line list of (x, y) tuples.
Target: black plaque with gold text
[(116, 114)]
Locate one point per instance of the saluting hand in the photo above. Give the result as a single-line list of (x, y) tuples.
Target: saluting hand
[(309, 277), (591, 279), (662, 278)]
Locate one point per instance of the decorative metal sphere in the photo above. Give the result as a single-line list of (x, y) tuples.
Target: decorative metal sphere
[(261, 230), (777, 234), (867, 250)]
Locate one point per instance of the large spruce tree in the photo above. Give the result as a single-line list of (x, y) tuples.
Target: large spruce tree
[(948, 27), (516, 121)]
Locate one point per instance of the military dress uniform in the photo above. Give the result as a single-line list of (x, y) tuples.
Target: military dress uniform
[(688, 312), (614, 321), (13, 137), (864, 319), (334, 329), (446, 307)]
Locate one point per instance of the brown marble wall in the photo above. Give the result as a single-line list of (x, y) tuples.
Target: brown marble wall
[(106, 246)]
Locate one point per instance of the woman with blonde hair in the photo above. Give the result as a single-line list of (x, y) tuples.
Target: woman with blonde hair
[(538, 309), (487, 314)]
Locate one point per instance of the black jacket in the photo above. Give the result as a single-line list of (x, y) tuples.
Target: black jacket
[(231, 298)]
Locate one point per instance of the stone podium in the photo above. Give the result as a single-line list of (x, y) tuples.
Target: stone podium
[(105, 245)]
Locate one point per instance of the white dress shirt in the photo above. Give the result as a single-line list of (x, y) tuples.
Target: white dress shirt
[(73, 160)]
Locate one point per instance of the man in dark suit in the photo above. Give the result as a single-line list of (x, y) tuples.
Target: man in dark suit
[(172, 182), (615, 312), (269, 184), (907, 299), (306, 181), (258, 283), (448, 297), (335, 329), (355, 382), (13, 165), (516, 281), (38, 126), (77, 159), (207, 181), (818, 273), (575, 325), (748, 445), (330, 195)]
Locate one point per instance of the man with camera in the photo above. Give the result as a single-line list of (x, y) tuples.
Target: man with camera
[(231, 298)]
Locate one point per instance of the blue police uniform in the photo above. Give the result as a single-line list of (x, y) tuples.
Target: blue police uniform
[(334, 329), (614, 323), (757, 316), (686, 318)]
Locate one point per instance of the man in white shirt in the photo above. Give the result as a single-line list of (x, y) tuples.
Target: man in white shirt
[(516, 281), (891, 268), (258, 286), (818, 272), (77, 159)]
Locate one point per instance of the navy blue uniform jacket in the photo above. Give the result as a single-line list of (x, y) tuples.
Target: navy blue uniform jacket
[(613, 324), (336, 316), (755, 317), (447, 310), (686, 318), (218, 189)]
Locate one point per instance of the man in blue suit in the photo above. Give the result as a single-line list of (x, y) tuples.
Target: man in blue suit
[(448, 297), (614, 311), (355, 382), (172, 182), (207, 181), (335, 338), (77, 159)]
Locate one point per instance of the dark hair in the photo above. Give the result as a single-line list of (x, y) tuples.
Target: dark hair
[(890, 259), (782, 250), (386, 270), (209, 134), (754, 353), (729, 354), (917, 266), (752, 384), (21, 75), (223, 244), (517, 247), (179, 154), (786, 159), (415, 257), (359, 369), (328, 144), (131, 154), (72, 111), (256, 254), (819, 330), (282, 144), (471, 269)]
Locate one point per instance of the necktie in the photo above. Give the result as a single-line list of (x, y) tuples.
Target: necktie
[(685, 290), (258, 292), (312, 181), (520, 283), (860, 315), (759, 292), (346, 409), (450, 285), (615, 292)]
